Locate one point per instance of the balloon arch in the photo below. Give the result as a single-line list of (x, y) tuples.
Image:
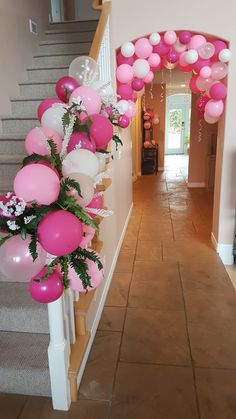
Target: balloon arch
[(204, 56)]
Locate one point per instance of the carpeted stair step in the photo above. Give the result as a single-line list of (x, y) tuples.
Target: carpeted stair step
[(42, 74), (56, 59), (79, 25), (25, 106), (12, 144), (24, 363), (19, 124), (67, 35), (39, 89), (64, 47), (19, 312)]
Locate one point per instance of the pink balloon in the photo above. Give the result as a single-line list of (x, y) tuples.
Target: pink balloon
[(16, 262), (125, 60), (131, 112), (46, 104), (196, 41), (200, 64), (124, 73), (65, 86), (149, 77), (137, 84), (219, 70), (123, 121), (90, 99), (96, 277), (36, 141), (182, 61), (154, 60), (185, 37), (203, 84), (46, 291), (219, 45), (205, 72), (186, 68), (81, 140), (96, 203), (170, 37), (143, 48), (125, 91), (60, 232), (214, 108), (201, 103), (209, 119), (218, 91), (88, 235), (36, 182), (172, 56), (101, 130), (162, 48), (193, 85)]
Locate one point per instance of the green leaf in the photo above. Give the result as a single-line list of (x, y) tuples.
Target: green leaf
[(91, 255), (117, 141), (55, 158), (34, 158), (64, 262), (5, 238), (66, 184), (23, 232), (81, 268), (33, 246)]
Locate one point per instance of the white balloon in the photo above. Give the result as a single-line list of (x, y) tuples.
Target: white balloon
[(141, 68), (52, 118), (104, 88), (191, 56), (179, 47), (86, 187), (225, 55), (154, 38), (127, 49), (80, 161), (85, 70), (122, 106)]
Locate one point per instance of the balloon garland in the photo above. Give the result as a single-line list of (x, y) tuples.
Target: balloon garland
[(207, 59), (49, 221)]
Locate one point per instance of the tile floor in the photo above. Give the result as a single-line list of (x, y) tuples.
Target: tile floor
[(166, 344)]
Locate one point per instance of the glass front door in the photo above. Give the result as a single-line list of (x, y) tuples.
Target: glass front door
[(177, 123)]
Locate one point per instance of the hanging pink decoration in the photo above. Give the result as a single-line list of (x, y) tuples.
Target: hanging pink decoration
[(65, 86), (201, 103), (36, 141), (218, 91), (46, 291), (125, 91), (147, 125), (143, 48)]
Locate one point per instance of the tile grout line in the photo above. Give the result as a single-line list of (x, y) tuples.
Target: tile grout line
[(189, 344), (23, 408)]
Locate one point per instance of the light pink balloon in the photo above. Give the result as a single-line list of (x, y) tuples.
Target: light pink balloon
[(170, 37), (219, 70), (37, 182), (143, 48), (196, 41), (154, 60), (124, 74), (214, 108), (205, 72), (210, 119), (95, 274), (206, 50), (16, 262), (88, 235), (90, 99), (203, 84), (131, 112), (182, 61), (36, 141), (149, 77)]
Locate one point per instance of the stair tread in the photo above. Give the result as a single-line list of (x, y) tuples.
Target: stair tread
[(51, 67), (59, 42), (77, 353), (29, 82), (58, 54), (17, 136), (9, 158), (65, 22), (25, 99), (21, 117)]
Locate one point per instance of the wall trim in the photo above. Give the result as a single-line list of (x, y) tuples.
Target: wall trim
[(225, 251), (196, 184), (103, 298)]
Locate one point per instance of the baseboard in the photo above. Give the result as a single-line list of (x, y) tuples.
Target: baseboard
[(103, 299), (196, 185), (225, 251)]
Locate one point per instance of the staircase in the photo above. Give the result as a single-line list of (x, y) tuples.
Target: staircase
[(24, 333)]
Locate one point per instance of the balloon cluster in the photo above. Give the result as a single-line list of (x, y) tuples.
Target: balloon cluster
[(50, 220), (137, 61), (150, 118)]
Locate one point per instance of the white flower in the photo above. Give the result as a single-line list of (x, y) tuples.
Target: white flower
[(12, 225), (28, 219)]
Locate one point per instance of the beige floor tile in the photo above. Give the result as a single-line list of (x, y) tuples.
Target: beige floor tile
[(129, 246), (11, 405), (41, 408), (99, 374), (119, 289), (112, 319), (124, 263), (216, 393), (155, 271), (153, 336), (149, 250), (153, 392)]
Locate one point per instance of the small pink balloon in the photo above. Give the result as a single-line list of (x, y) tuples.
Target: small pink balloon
[(203, 84), (36, 141), (172, 56), (96, 277), (137, 84), (147, 125), (131, 112), (90, 99), (149, 77), (214, 108), (88, 235), (125, 91), (124, 73), (219, 70), (185, 37), (162, 48), (60, 232), (182, 61), (218, 91), (37, 182), (143, 48), (48, 290), (219, 45), (124, 60), (193, 85), (101, 130), (81, 140), (209, 119), (96, 203), (205, 72), (196, 41), (46, 104), (154, 60), (170, 37), (123, 121), (65, 86), (200, 64)]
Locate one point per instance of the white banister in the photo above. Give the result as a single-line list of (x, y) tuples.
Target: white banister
[(104, 56)]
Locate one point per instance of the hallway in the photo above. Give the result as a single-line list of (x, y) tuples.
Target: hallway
[(166, 344)]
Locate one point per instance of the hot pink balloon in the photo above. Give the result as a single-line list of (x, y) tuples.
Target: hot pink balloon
[(162, 48), (124, 60), (170, 37), (101, 130), (96, 203), (214, 108), (16, 262), (36, 182), (46, 104), (124, 73), (154, 60), (219, 45), (193, 85), (172, 56), (185, 37), (48, 290), (205, 72), (200, 64), (131, 112), (60, 232), (36, 141), (149, 77), (123, 121), (88, 235), (201, 103), (90, 99), (137, 84), (186, 68), (65, 86), (218, 91), (81, 140), (125, 91), (196, 41), (143, 48), (96, 277)]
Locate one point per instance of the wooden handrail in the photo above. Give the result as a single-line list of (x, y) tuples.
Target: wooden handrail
[(98, 37), (96, 5)]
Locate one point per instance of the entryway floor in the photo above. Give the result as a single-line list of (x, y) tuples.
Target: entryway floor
[(166, 344)]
